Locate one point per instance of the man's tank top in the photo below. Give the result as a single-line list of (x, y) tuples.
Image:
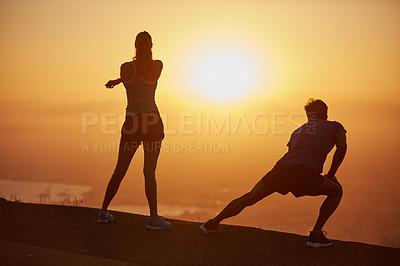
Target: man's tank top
[(310, 144), (140, 93)]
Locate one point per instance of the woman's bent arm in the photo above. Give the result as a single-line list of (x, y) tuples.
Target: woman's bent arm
[(111, 83)]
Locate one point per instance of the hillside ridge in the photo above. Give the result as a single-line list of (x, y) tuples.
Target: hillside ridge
[(74, 230)]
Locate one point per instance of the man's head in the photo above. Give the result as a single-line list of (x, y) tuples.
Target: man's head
[(316, 109)]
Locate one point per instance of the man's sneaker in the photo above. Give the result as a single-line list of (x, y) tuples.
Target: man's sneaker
[(105, 217), (318, 241), (159, 224), (209, 227)]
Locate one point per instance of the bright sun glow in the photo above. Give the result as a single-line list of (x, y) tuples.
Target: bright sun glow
[(224, 75)]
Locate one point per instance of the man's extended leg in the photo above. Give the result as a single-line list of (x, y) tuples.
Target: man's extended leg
[(259, 192)]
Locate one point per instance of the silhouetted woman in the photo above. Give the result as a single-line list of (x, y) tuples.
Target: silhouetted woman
[(143, 124)]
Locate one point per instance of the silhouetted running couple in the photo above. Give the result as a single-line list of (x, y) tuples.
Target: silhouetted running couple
[(298, 171)]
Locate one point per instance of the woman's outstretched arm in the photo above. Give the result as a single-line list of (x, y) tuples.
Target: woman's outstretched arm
[(111, 83), (127, 72)]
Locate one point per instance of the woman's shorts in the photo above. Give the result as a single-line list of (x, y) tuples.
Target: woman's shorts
[(297, 179), (143, 127)]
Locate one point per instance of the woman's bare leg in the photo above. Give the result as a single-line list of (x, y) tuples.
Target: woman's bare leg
[(125, 154), (151, 153)]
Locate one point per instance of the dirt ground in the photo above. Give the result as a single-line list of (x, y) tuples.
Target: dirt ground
[(34, 234)]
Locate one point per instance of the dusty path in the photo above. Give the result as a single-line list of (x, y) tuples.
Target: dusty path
[(72, 231)]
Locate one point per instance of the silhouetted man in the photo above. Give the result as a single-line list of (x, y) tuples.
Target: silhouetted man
[(299, 172)]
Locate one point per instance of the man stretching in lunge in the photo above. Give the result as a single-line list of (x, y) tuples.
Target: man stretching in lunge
[(298, 172)]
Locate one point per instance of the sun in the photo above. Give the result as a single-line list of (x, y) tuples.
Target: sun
[(224, 75)]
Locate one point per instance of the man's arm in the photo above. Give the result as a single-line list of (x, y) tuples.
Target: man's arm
[(341, 147)]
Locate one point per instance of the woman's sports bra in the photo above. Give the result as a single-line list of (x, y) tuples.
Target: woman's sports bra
[(140, 93)]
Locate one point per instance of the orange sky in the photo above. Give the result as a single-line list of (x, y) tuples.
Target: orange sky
[(65, 51), (56, 57)]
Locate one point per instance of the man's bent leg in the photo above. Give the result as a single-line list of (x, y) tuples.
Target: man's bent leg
[(328, 207), (259, 192)]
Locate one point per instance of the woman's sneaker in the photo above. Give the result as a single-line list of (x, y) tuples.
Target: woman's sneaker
[(105, 217), (159, 224), (209, 227), (318, 240)]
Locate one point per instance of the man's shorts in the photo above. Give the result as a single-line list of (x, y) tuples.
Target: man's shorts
[(142, 127), (297, 179)]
